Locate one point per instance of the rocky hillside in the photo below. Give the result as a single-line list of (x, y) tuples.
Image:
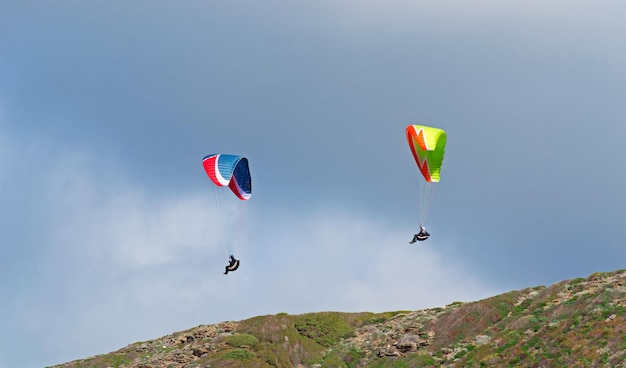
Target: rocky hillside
[(575, 323)]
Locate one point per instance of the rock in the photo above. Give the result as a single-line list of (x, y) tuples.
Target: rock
[(482, 340)]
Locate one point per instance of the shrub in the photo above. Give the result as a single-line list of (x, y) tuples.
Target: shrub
[(325, 328), (239, 354), (242, 340), (116, 360)]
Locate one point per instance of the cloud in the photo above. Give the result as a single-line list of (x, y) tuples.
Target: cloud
[(335, 260)]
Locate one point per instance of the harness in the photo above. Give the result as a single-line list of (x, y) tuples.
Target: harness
[(232, 266)]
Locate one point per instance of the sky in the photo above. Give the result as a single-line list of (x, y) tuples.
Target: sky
[(110, 232)]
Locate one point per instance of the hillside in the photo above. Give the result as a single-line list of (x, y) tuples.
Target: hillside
[(574, 323)]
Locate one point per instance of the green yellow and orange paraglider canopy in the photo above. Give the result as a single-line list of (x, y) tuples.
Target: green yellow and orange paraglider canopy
[(428, 146)]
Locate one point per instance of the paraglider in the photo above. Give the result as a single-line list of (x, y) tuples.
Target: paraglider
[(233, 264), (421, 236), (427, 145), (230, 171)]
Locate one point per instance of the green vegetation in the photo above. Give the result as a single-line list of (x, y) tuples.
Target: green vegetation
[(390, 363), (111, 360), (352, 357), (242, 340), (333, 361), (381, 317), (239, 354), (455, 304), (325, 329)]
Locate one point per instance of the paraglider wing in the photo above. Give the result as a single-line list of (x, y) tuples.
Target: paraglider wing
[(229, 170), (428, 146)]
